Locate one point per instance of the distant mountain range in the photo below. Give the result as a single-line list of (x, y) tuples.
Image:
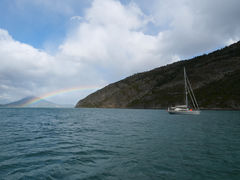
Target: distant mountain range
[(25, 102), (215, 78)]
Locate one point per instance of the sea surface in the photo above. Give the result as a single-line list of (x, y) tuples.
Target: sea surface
[(116, 144)]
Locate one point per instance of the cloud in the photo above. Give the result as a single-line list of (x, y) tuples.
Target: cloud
[(78, 18), (27, 71), (192, 28), (113, 40)]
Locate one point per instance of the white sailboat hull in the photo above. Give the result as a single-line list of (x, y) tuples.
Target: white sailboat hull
[(185, 109), (187, 112)]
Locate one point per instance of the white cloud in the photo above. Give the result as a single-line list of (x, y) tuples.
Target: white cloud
[(195, 27), (26, 71), (111, 42), (78, 18), (113, 13), (111, 39)]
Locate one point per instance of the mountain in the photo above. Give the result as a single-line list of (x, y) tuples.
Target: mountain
[(25, 102), (215, 79)]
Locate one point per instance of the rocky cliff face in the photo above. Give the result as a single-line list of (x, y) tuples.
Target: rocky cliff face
[(215, 79)]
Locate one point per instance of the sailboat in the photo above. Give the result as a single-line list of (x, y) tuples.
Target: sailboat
[(185, 109)]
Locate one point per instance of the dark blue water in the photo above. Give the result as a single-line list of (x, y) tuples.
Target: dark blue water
[(118, 144)]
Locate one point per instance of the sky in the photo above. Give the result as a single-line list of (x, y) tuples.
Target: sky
[(69, 49)]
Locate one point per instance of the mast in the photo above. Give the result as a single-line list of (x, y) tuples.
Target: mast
[(194, 100), (186, 91)]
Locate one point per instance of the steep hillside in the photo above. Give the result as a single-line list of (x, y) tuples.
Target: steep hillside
[(215, 79)]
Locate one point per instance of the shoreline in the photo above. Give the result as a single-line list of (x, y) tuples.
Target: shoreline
[(213, 109)]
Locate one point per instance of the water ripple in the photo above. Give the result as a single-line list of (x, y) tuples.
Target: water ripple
[(118, 144)]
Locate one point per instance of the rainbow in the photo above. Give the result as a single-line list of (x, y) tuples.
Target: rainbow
[(57, 92)]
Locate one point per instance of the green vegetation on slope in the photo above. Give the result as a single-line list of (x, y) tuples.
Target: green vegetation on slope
[(215, 79)]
